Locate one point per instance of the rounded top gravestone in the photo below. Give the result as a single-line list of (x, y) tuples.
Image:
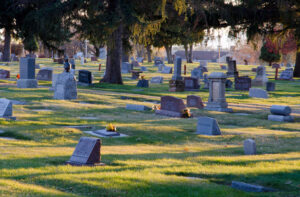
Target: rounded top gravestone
[(280, 110)]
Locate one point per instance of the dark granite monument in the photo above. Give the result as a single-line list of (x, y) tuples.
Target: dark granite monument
[(85, 76), (171, 106), (242, 83), (191, 84)]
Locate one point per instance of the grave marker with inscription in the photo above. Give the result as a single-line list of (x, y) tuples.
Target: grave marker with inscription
[(207, 126), (171, 106), (6, 109), (87, 152), (27, 73)]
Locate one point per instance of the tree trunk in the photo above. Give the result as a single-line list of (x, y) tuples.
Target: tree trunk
[(169, 53), (297, 66), (7, 50), (125, 56), (149, 53), (185, 46), (113, 60), (190, 58), (97, 51)]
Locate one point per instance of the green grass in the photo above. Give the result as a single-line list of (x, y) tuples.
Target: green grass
[(160, 154)]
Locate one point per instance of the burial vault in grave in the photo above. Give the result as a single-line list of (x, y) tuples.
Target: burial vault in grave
[(217, 100), (27, 73), (87, 152)]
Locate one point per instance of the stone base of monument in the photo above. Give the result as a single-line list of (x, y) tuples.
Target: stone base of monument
[(281, 118), (218, 109), (84, 84), (27, 83), (176, 86), (80, 164), (232, 74), (168, 113), (106, 134)]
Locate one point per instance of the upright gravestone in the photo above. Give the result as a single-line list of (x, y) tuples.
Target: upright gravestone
[(143, 83), (6, 109), (4, 74), (87, 152), (84, 77), (217, 100), (242, 83), (270, 86), (261, 77), (171, 106), (44, 74), (207, 126), (231, 69), (126, 67), (249, 147), (197, 73), (27, 73), (157, 80), (65, 87), (161, 67), (194, 101), (287, 74), (258, 93), (167, 70), (177, 83), (191, 84)]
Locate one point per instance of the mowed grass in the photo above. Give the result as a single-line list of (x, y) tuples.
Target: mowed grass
[(161, 157)]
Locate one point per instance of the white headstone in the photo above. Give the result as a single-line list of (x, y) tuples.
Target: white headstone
[(5, 108)]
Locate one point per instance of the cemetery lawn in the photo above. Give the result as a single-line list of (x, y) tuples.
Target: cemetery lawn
[(161, 157)]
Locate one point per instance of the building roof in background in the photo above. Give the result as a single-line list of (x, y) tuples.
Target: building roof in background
[(203, 55)]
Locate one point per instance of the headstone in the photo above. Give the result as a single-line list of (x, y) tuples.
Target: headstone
[(126, 67), (87, 152), (140, 59), (143, 68), (135, 64), (158, 62), (228, 83), (167, 70), (143, 83), (137, 107), (54, 78), (194, 101), (85, 77), (217, 100), (45, 74), (249, 147), (242, 83), (191, 84), (254, 70), (287, 74), (232, 70), (258, 93), (37, 66), (161, 67), (270, 86), (94, 59), (135, 74), (261, 77), (207, 126), (281, 113), (177, 69), (65, 87), (171, 106), (157, 79), (6, 108), (4, 74), (27, 73), (281, 110), (197, 73)]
